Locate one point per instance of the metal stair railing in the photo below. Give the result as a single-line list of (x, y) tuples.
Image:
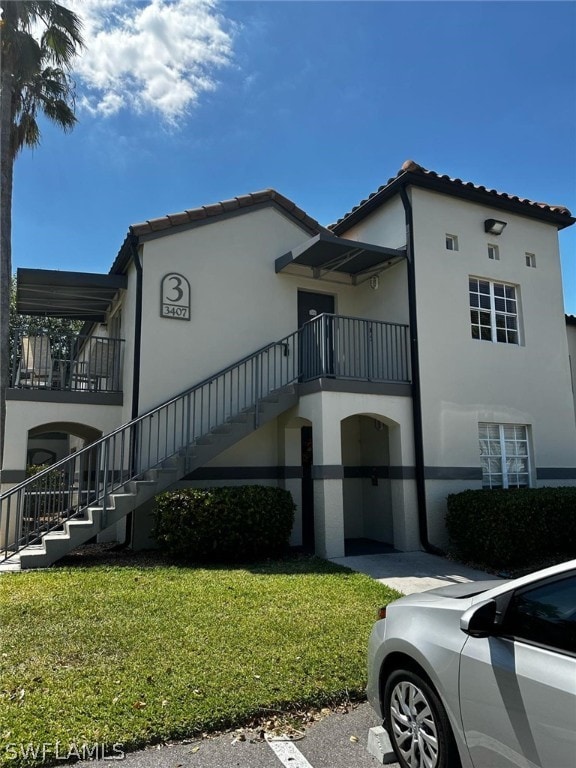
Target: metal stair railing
[(328, 345), (66, 489)]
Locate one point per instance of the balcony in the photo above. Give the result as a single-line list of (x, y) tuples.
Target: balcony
[(66, 363), (340, 347)]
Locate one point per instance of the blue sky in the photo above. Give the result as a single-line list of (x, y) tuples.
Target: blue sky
[(187, 102)]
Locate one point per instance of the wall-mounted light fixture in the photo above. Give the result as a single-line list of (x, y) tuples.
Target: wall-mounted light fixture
[(374, 282), (494, 227)]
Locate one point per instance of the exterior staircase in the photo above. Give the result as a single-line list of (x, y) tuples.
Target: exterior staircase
[(73, 500), (76, 531), (46, 517)]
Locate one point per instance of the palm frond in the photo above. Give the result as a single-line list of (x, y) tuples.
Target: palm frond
[(40, 81), (60, 113), (58, 46), (25, 133)]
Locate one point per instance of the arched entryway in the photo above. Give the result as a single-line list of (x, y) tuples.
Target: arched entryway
[(367, 489), (48, 443)]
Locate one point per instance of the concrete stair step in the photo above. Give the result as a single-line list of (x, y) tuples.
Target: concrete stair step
[(11, 565)]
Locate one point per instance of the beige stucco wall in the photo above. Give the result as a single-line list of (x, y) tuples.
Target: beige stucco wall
[(333, 434), (466, 381), (24, 415), (385, 226), (238, 302)]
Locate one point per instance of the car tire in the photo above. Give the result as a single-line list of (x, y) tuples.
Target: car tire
[(417, 723)]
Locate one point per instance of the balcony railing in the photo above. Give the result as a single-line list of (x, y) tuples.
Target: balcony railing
[(353, 348), (66, 362)]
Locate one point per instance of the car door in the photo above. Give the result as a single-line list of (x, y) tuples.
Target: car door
[(518, 688)]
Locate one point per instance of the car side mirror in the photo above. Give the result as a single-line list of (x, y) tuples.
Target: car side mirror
[(480, 620)]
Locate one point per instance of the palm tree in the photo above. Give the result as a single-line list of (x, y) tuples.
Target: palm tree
[(38, 41)]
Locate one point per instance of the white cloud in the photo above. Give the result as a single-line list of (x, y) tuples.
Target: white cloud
[(158, 56)]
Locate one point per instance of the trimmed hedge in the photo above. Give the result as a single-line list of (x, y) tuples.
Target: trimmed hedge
[(228, 524), (502, 528)]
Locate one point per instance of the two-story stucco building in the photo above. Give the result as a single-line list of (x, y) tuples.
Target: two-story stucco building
[(413, 349)]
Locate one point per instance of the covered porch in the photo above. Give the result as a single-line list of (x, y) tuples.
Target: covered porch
[(43, 360)]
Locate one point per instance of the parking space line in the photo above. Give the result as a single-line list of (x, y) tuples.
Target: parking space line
[(289, 754)]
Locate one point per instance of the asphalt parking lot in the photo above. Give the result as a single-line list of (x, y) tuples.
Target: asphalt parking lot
[(337, 741)]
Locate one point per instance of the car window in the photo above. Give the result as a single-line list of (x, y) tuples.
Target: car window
[(545, 615)]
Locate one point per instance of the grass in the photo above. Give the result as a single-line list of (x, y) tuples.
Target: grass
[(137, 655)]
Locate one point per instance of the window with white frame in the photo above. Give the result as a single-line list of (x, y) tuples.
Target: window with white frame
[(451, 243), (504, 455), (493, 252), (493, 311), (530, 259)]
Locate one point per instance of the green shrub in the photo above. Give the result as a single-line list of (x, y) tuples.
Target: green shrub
[(502, 528), (47, 493), (228, 524)]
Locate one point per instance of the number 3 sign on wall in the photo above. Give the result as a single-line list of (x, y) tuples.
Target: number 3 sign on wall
[(175, 297)]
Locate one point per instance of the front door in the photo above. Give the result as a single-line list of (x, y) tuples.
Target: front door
[(316, 339)]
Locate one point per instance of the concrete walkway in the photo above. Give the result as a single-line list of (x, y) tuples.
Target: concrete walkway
[(410, 572)]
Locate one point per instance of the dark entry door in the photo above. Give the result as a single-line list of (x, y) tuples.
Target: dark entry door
[(316, 339), (310, 305)]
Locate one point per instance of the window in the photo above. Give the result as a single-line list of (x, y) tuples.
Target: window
[(530, 259), (493, 252), (545, 615), (451, 243), (504, 455), (493, 311)]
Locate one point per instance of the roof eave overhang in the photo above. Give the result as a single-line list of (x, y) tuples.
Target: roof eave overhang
[(335, 259), (490, 198)]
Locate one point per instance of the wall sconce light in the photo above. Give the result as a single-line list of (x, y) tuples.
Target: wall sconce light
[(494, 227), (374, 282)]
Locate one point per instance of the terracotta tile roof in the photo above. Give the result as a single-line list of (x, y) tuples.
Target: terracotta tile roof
[(413, 173), (195, 215)]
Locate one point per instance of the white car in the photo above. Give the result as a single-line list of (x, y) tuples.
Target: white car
[(480, 675)]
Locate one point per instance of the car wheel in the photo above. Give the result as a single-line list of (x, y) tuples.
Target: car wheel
[(417, 723)]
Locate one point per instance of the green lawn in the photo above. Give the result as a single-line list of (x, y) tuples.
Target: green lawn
[(135, 655)]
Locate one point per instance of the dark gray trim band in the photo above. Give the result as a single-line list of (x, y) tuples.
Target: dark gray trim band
[(453, 473), (328, 472), (245, 473), (337, 472), (401, 389), (64, 396), (382, 472), (13, 475), (556, 473)]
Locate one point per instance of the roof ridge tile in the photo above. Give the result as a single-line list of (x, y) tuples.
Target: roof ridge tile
[(411, 167), (191, 215)]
